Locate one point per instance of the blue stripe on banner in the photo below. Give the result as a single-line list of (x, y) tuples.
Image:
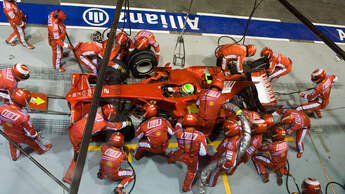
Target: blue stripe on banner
[(164, 21)]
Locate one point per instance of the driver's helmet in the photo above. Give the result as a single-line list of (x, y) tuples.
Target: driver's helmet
[(187, 89)]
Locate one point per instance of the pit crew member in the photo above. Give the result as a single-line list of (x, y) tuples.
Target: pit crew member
[(234, 54), (191, 144), (298, 122), (279, 64), (276, 158), (17, 124), (152, 132), (210, 102), (17, 20), (88, 53), (56, 37), (319, 97), (228, 148), (111, 159), (145, 40), (76, 132), (126, 46), (9, 78)]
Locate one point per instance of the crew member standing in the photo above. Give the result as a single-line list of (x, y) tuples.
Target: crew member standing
[(9, 78), (279, 65), (76, 132), (111, 159), (56, 37), (153, 133), (145, 40), (17, 124), (234, 54), (298, 122), (210, 102), (191, 144), (228, 148), (276, 158), (319, 98), (17, 20)]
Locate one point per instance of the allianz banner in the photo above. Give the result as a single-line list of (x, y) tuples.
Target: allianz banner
[(165, 21)]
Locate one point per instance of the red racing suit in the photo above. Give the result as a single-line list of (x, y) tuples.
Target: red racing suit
[(76, 132), (276, 159), (56, 38), (210, 103), (17, 125), (319, 97), (88, 53), (126, 50), (228, 148), (153, 135), (109, 167), (152, 41), (16, 18), (256, 139), (300, 126), (232, 53), (7, 83), (279, 65), (191, 144)]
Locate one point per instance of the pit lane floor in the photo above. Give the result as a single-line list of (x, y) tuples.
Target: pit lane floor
[(154, 175)]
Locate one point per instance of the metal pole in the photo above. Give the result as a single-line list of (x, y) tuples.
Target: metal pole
[(35, 161), (94, 104), (340, 52)]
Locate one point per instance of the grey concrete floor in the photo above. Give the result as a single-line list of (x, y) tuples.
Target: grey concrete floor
[(154, 175), (320, 11)]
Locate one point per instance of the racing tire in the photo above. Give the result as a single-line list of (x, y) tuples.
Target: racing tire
[(142, 63), (115, 76)]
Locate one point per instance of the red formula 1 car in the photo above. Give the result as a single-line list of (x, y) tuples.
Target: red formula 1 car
[(155, 87)]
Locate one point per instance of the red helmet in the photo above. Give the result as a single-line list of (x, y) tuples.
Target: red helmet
[(109, 111), (288, 118), (150, 110), (311, 186), (259, 126), (318, 75), (279, 134), (121, 38), (117, 139), (60, 15), (190, 120), (267, 52), (217, 83), (231, 127), (269, 120), (21, 97), (21, 71), (251, 50), (142, 43)]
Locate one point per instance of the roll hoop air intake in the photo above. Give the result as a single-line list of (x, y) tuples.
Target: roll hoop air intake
[(245, 141)]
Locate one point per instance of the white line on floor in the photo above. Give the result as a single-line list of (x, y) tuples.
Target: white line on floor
[(234, 16), (330, 25), (240, 36), (321, 42), (110, 6)]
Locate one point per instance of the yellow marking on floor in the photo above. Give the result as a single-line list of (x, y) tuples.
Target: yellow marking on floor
[(174, 145), (289, 139), (226, 183)]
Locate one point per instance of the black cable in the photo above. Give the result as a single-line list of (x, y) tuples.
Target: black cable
[(256, 5), (342, 186), (135, 177), (287, 178)]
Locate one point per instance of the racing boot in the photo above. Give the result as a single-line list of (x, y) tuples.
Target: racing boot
[(299, 155), (118, 190), (318, 114), (11, 43), (29, 46), (62, 69), (68, 176), (265, 177)]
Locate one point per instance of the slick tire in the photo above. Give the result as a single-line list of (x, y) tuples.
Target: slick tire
[(114, 76), (142, 63)]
